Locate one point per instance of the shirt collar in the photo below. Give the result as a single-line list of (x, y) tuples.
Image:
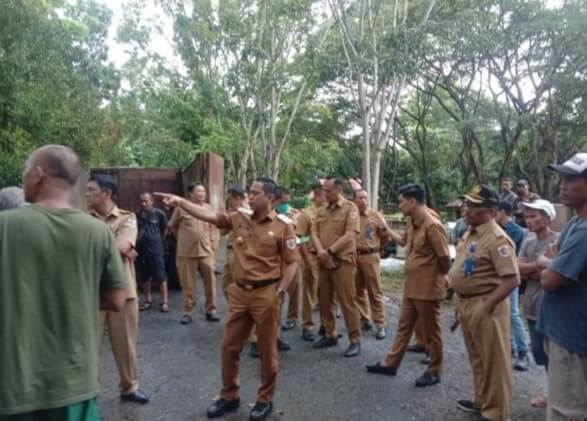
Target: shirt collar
[(114, 212), (338, 203), (483, 228)]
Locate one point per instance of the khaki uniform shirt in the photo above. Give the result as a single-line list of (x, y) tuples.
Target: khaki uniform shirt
[(259, 248), (124, 226), (426, 243), (304, 226), (494, 257), (193, 235), (334, 221), (370, 237)]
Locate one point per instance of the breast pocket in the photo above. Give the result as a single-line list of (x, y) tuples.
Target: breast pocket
[(266, 246)]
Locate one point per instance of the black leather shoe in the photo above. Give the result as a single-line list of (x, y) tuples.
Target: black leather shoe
[(282, 346), (212, 317), (308, 336), (185, 319), (325, 342), (427, 379), (288, 325), (322, 331), (467, 406), (366, 326), (381, 333), (221, 407), (254, 350), (377, 368), (418, 349), (261, 411), (425, 360), (353, 350), (137, 397)]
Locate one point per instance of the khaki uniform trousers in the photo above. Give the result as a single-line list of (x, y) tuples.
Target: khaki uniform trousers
[(310, 273), (226, 275), (247, 308), (123, 329), (427, 315), (294, 293), (339, 281), (369, 292), (487, 337), (188, 268)]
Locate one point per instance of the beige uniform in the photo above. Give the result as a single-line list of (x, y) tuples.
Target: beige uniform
[(310, 269), (260, 250), (194, 255), (368, 275), (426, 243), (487, 336), (123, 326), (331, 223)]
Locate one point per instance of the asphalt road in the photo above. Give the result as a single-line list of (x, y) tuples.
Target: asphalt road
[(180, 369)]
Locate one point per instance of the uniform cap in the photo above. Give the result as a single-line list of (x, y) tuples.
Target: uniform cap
[(482, 196)]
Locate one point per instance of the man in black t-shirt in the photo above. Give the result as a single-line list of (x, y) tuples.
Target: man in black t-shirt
[(150, 264)]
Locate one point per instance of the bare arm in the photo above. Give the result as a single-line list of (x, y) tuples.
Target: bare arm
[(113, 299), (508, 284), (552, 281), (343, 241), (289, 272), (397, 238)]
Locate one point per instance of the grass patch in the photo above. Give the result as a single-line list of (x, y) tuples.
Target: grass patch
[(393, 281)]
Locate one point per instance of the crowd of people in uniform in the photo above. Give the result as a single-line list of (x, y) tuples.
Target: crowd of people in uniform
[(67, 276)]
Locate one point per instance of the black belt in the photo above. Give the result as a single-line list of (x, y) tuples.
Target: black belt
[(251, 285), (229, 247), (367, 251)]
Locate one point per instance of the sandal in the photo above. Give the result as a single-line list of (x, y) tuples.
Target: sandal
[(145, 306), (539, 402), (164, 307)]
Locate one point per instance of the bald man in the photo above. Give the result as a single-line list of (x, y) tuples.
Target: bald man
[(62, 266)]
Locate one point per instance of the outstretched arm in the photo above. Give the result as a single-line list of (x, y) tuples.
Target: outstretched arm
[(200, 212)]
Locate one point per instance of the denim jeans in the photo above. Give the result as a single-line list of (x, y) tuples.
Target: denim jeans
[(537, 344), (518, 338)]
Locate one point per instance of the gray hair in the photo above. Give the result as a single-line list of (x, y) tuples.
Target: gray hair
[(11, 198)]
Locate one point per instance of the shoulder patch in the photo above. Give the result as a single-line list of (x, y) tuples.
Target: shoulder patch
[(353, 214), (503, 250), (285, 219), (290, 243), (245, 211), (130, 223)]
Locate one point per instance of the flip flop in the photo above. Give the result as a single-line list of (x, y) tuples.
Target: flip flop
[(146, 306), (164, 308)]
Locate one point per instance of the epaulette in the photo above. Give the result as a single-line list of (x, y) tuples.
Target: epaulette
[(245, 211), (285, 219)]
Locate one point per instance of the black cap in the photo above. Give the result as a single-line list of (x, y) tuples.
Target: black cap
[(482, 196)]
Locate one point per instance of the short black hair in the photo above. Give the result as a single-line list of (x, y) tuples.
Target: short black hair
[(506, 208), (413, 191), (269, 185), (195, 184), (281, 191), (236, 191), (105, 182), (506, 179), (338, 181)]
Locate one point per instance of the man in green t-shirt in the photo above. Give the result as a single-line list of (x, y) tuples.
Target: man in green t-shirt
[(58, 267)]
